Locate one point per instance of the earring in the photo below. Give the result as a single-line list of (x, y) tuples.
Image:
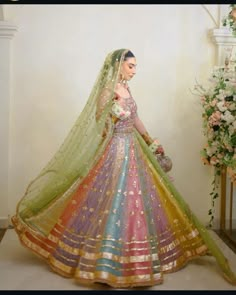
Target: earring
[(122, 79)]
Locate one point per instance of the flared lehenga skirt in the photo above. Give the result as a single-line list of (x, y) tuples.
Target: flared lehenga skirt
[(121, 226)]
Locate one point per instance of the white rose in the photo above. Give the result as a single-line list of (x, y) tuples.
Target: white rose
[(228, 93), (214, 143), (221, 106), (211, 150), (221, 96), (228, 117), (232, 107)]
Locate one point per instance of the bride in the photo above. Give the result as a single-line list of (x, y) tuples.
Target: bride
[(104, 209)]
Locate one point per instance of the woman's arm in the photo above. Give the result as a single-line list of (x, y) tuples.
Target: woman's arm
[(142, 130), (153, 144)]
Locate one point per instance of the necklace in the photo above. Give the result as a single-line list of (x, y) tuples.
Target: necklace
[(123, 83)]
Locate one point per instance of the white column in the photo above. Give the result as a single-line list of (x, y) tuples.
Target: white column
[(225, 44), (223, 38), (7, 31)]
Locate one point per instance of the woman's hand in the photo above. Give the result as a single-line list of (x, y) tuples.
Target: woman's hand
[(156, 148), (160, 150)]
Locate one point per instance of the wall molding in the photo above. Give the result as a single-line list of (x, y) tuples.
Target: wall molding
[(7, 30)]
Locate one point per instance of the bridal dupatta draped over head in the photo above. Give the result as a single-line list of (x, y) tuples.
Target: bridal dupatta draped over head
[(80, 150), (50, 192)]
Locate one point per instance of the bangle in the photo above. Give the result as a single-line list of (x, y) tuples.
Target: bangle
[(147, 138), (114, 119), (154, 146)]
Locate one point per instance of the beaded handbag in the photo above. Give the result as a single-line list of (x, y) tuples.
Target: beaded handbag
[(164, 161)]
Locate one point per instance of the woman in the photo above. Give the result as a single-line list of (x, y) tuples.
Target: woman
[(103, 209)]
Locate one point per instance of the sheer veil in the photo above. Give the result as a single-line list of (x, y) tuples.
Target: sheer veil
[(80, 150)]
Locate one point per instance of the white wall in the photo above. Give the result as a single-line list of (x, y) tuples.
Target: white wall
[(57, 54)]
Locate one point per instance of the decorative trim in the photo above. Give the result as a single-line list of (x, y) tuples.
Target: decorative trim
[(223, 36), (7, 30)]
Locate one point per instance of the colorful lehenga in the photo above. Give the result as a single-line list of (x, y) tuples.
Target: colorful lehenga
[(122, 225)]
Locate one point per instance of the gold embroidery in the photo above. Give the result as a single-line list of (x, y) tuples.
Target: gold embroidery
[(138, 223), (132, 280), (118, 223)]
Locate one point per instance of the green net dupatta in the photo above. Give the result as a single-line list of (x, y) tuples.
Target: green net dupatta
[(79, 152)]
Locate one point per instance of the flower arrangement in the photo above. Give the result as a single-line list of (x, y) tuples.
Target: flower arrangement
[(219, 125), (230, 19)]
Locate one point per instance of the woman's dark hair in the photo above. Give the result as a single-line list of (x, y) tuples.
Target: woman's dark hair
[(116, 56), (128, 55)]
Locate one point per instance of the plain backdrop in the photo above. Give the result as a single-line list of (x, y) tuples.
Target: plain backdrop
[(56, 56)]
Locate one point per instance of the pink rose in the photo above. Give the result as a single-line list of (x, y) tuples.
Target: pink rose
[(214, 119), (214, 160), (213, 103)]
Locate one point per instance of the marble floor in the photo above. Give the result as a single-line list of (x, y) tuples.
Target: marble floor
[(22, 270)]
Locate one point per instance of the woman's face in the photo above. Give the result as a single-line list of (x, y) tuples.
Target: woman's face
[(128, 68)]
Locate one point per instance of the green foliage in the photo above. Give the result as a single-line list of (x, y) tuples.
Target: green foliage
[(219, 125), (230, 20)]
